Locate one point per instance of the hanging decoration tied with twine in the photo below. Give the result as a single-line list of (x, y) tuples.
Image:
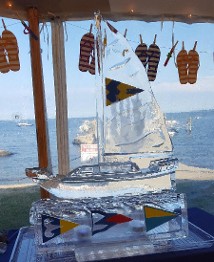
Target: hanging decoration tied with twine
[(169, 55), (9, 51)]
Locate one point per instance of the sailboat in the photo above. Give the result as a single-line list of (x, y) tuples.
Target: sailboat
[(24, 124), (20, 122), (131, 131), (189, 125), (122, 146), (129, 194)]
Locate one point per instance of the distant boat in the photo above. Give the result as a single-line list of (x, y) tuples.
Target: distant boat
[(24, 124), (189, 125), (20, 122)]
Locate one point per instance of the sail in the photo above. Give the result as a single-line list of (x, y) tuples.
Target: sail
[(130, 115)]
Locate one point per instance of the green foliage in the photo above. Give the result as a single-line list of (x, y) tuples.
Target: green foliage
[(199, 194), (15, 206)]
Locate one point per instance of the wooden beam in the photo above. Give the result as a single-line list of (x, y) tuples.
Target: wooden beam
[(59, 69), (39, 94)]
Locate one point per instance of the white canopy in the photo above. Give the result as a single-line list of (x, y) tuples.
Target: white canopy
[(188, 11)]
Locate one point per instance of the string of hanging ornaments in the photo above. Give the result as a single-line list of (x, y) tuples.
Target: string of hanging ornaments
[(186, 63)]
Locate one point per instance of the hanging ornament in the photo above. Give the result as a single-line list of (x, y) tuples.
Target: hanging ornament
[(87, 54), (153, 54), (141, 52), (193, 58), (9, 42), (188, 64), (169, 55), (182, 64)]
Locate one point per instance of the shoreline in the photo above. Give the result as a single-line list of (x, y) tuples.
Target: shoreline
[(184, 173), (14, 186)]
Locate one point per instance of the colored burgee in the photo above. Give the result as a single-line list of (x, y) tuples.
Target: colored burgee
[(117, 91), (107, 221), (53, 227), (155, 217)]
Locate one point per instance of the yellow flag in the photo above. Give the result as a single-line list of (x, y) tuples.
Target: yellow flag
[(117, 91)]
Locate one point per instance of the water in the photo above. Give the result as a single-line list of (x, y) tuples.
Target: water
[(194, 148), (21, 141)]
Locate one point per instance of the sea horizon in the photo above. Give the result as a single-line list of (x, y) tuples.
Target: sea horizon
[(90, 116), (195, 148)]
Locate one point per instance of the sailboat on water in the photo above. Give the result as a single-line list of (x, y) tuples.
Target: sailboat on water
[(189, 125), (20, 122), (130, 129)]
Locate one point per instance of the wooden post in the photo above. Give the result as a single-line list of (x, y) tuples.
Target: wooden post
[(39, 95), (59, 69)]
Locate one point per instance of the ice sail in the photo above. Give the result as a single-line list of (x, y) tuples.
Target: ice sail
[(131, 118)]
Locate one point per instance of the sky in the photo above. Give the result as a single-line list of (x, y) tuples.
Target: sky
[(16, 87)]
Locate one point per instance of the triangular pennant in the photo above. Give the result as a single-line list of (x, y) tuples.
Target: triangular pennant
[(107, 221), (53, 227), (117, 91), (155, 217), (66, 226)]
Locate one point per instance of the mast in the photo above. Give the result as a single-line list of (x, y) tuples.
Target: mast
[(99, 82)]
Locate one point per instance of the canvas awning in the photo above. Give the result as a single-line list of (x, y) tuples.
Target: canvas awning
[(188, 11)]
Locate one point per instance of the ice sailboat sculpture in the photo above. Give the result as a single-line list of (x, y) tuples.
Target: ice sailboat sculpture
[(131, 132), (118, 199)]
